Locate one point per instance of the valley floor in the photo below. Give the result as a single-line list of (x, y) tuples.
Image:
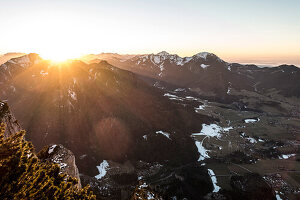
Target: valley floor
[(260, 134)]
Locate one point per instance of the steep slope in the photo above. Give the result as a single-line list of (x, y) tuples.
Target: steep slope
[(57, 154), (97, 111), (11, 124)]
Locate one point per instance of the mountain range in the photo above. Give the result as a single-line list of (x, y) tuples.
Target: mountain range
[(97, 110), (158, 118), (207, 74)]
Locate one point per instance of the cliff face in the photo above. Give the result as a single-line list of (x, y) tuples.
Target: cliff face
[(54, 153), (12, 125), (63, 157)]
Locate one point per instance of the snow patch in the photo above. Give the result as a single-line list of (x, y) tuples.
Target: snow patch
[(214, 180), (212, 130), (204, 66), (278, 196), (73, 95), (170, 95), (173, 97), (179, 90), (228, 90), (250, 139), (201, 107), (247, 121), (202, 151), (43, 73), (51, 149), (156, 59), (102, 168), (287, 156), (191, 98), (144, 185), (164, 134)]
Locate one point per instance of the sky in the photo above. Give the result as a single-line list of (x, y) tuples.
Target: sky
[(246, 31)]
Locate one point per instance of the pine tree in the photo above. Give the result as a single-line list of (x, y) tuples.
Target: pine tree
[(24, 176)]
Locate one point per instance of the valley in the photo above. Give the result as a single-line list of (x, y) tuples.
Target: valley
[(150, 100), (197, 122), (261, 135)]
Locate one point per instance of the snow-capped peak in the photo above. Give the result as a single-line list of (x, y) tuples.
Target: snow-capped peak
[(162, 58), (163, 53), (205, 55), (202, 55)]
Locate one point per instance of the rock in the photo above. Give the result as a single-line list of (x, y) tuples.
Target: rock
[(53, 153), (6, 117), (63, 157)]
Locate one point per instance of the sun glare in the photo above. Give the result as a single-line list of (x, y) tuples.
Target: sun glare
[(57, 56)]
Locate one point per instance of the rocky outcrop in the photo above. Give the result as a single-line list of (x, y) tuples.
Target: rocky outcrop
[(12, 125), (63, 157), (53, 153)]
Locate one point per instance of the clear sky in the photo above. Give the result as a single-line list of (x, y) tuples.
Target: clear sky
[(265, 31)]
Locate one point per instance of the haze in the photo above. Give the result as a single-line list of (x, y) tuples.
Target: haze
[(257, 31)]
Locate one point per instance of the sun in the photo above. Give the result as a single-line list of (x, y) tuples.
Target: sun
[(58, 56)]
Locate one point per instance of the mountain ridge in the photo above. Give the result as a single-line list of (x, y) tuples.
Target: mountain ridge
[(207, 73)]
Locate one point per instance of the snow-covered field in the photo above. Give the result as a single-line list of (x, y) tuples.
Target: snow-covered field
[(212, 130), (208, 130)]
